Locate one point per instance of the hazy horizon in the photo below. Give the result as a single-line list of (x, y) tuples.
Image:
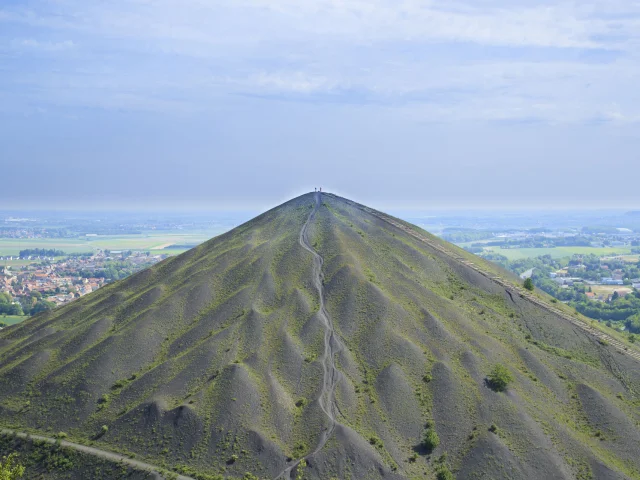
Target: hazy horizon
[(256, 209)]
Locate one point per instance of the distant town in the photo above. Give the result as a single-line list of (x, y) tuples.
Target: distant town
[(51, 281), (601, 286)]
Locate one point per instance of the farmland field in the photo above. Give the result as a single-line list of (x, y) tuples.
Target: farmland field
[(143, 242), (557, 252), (146, 242), (624, 258), (12, 246), (12, 319), (15, 263), (609, 289)]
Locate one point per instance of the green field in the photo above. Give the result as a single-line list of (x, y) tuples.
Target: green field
[(557, 252), (12, 319), (12, 246), (153, 243), (15, 263), (609, 289), (144, 242)]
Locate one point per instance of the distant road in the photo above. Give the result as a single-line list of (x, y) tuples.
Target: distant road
[(96, 452), (527, 274)]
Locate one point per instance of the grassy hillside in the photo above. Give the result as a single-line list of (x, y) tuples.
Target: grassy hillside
[(213, 362)]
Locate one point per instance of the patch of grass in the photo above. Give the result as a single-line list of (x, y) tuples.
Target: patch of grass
[(13, 319)]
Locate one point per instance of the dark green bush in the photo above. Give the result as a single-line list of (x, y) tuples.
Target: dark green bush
[(528, 284), (443, 473), (499, 378), (430, 439)]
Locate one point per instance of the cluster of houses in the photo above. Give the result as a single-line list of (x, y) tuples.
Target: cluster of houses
[(562, 278), (63, 282), (57, 288), (41, 258)]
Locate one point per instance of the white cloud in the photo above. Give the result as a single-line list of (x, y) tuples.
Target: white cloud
[(486, 59), (47, 46), (298, 82), (252, 21)]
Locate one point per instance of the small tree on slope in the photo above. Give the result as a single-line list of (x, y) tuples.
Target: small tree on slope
[(528, 284), (499, 378)]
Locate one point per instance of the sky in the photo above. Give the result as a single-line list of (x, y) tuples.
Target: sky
[(396, 103)]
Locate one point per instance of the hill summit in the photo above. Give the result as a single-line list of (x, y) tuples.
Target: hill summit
[(324, 339)]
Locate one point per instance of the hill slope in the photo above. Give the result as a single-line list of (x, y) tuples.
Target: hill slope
[(320, 331)]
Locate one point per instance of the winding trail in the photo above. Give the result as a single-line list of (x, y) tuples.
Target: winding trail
[(96, 452), (331, 375)]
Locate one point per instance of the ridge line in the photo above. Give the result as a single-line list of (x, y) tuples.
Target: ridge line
[(509, 287)]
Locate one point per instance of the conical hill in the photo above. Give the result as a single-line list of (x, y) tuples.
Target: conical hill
[(326, 331)]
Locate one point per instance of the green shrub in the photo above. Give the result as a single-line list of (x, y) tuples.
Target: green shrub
[(430, 439), (528, 284), (10, 469), (118, 385), (499, 378), (443, 473), (300, 449), (300, 470)]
